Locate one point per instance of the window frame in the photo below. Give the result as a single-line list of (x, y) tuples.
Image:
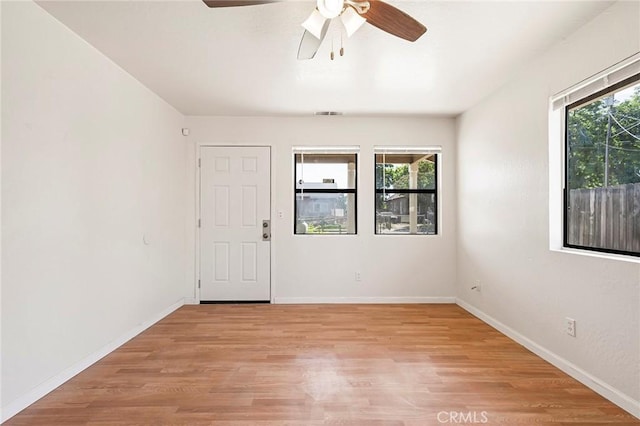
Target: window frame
[(297, 190), (565, 171), (390, 151)]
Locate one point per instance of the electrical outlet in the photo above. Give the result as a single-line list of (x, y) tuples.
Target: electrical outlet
[(570, 326), (358, 276)]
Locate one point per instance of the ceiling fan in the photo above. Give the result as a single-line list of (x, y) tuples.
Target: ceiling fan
[(352, 13)]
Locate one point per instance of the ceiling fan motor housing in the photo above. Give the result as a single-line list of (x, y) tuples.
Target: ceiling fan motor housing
[(330, 8)]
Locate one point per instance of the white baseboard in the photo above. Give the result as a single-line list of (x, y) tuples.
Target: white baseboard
[(191, 301), (324, 300), (41, 390), (620, 399)]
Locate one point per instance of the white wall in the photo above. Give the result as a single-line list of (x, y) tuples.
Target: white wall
[(322, 268), (91, 161), (503, 220)]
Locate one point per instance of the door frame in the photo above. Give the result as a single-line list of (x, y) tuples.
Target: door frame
[(272, 213)]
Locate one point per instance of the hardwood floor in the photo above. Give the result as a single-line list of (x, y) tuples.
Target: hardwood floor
[(322, 365)]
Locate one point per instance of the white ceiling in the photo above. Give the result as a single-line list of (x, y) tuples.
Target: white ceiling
[(242, 60)]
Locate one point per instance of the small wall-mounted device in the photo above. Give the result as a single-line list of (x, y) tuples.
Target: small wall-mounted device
[(185, 131)]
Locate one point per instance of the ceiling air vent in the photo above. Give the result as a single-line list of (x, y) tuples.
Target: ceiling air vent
[(328, 113)]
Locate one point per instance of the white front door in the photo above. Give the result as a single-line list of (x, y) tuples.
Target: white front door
[(235, 202)]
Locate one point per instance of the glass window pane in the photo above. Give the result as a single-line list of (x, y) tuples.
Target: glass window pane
[(603, 172), (405, 171), (325, 171), (325, 213), (394, 213)]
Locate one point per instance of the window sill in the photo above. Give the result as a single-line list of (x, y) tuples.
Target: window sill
[(601, 255)]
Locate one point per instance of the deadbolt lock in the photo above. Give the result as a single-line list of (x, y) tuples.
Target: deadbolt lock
[(266, 226)]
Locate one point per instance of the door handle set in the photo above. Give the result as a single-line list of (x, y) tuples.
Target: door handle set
[(266, 230)]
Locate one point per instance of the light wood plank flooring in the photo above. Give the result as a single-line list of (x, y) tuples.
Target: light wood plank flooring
[(322, 365)]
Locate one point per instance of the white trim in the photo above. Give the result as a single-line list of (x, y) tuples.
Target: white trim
[(326, 149), (607, 391), (390, 149), (597, 82), (195, 227), (598, 254), (43, 389), (334, 300), (275, 222), (556, 177)]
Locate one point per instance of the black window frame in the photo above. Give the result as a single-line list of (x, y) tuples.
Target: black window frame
[(565, 193), (434, 192), (297, 191)]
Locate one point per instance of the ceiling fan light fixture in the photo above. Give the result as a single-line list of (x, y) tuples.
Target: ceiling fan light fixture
[(314, 24), (351, 20), (330, 8)]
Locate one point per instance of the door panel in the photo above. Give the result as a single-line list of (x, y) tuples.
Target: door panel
[(235, 199)]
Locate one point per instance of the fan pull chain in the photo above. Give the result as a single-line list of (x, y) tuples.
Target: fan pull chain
[(332, 54)]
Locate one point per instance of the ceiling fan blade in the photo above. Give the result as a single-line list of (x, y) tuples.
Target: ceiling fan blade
[(233, 3), (315, 24), (394, 21), (310, 44)]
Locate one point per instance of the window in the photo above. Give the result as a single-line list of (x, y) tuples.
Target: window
[(602, 170), (325, 192), (406, 194)]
